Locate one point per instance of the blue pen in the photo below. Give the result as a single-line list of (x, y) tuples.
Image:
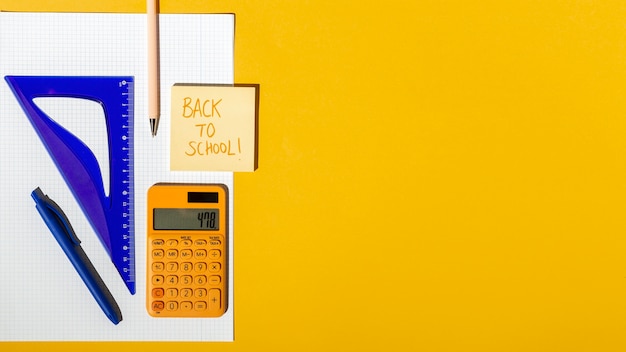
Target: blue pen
[(62, 230)]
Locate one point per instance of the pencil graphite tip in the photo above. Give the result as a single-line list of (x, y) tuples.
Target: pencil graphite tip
[(153, 126)]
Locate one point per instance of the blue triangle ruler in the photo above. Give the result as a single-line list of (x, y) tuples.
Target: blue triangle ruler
[(112, 215)]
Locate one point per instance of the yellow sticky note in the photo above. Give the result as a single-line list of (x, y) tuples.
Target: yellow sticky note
[(214, 127)]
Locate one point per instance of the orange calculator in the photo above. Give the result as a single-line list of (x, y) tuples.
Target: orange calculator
[(187, 266)]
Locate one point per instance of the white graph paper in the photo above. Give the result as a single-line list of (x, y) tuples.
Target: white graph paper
[(42, 298)]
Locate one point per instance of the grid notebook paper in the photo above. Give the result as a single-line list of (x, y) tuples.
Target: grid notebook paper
[(42, 297)]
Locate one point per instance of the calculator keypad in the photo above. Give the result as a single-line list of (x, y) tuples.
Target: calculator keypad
[(186, 275)]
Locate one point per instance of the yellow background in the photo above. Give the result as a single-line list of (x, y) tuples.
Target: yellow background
[(436, 175)]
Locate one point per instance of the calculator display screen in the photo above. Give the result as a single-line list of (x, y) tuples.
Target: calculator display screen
[(186, 219)]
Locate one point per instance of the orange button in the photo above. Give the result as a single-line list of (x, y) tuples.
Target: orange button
[(186, 305), (171, 305), (172, 267), (158, 254), (215, 243), (186, 267), (200, 293), (171, 254), (200, 242), (186, 243), (200, 306), (215, 280), (172, 243), (158, 266), (171, 279), (200, 280), (215, 267), (172, 292), (215, 299), (186, 280), (186, 254), (200, 266), (158, 242), (186, 293), (158, 306), (157, 292), (200, 254), (215, 254), (157, 280)]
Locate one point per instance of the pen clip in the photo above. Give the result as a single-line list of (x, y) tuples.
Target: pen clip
[(58, 214)]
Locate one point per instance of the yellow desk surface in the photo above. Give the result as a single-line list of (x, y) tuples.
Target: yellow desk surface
[(433, 175)]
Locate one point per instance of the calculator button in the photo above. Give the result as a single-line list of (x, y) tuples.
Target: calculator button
[(172, 243), (158, 306), (186, 305), (200, 243), (200, 254), (215, 299), (172, 292), (186, 267), (215, 267), (186, 280), (172, 267), (186, 254), (200, 280), (171, 279), (157, 280), (172, 305), (186, 243), (186, 293), (200, 267), (157, 267), (171, 254), (215, 243), (158, 254), (158, 292), (200, 293), (200, 306), (215, 254), (158, 242), (215, 280)]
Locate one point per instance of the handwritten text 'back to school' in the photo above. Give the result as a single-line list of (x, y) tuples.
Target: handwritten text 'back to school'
[(206, 131)]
